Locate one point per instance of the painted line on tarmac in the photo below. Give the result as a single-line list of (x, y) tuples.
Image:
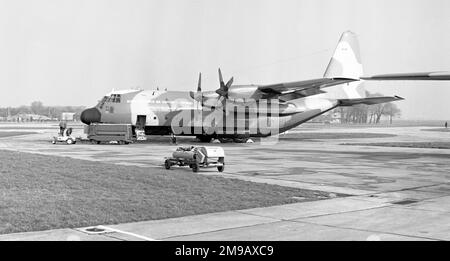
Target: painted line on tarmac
[(127, 233)]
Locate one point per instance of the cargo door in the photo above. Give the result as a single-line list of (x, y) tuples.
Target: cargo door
[(141, 120)]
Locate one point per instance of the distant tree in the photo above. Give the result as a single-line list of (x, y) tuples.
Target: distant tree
[(371, 114), (37, 107), (23, 110), (391, 109)]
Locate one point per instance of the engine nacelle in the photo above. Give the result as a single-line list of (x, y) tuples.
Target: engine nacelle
[(239, 93)]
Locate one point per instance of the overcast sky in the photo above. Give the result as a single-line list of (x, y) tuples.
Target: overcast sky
[(71, 52)]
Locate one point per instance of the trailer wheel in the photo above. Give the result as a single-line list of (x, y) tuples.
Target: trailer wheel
[(221, 168), (167, 164), (53, 141), (195, 167), (69, 141)]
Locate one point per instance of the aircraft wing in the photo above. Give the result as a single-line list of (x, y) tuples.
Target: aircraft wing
[(430, 76), (289, 87), (310, 87), (369, 100)]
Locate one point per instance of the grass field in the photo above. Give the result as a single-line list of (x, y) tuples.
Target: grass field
[(42, 192), (4, 134), (423, 145), (438, 129), (319, 136), (382, 124)]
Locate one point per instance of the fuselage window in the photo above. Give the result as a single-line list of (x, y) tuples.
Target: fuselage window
[(109, 109)]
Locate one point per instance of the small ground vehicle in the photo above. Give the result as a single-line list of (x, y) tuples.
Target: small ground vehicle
[(120, 133), (66, 137), (197, 157)]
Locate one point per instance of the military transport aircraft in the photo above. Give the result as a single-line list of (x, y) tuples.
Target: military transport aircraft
[(244, 111)]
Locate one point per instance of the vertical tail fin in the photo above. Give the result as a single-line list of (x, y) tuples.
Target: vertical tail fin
[(346, 61)]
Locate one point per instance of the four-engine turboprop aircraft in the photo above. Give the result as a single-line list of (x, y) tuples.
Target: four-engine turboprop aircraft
[(243, 111)]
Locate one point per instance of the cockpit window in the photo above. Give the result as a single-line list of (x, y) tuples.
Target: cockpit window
[(102, 102), (114, 98)]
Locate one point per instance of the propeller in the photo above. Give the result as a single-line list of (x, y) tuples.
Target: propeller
[(223, 90), (198, 96)]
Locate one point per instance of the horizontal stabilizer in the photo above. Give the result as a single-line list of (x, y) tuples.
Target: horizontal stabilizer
[(430, 76), (369, 101)]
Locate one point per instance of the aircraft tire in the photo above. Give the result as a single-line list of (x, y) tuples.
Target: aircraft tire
[(195, 167), (204, 138), (167, 164)]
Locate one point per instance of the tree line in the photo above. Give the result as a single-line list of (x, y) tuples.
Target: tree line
[(38, 108)]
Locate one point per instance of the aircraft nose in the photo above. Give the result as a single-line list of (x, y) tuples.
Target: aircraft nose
[(91, 115)]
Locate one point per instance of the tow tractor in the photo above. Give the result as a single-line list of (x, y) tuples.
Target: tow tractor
[(197, 157), (66, 137)]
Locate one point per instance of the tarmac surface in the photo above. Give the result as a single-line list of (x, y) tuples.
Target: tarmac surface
[(397, 193)]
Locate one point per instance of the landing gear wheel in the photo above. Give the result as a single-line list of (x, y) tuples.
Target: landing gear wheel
[(221, 168), (240, 140), (195, 167), (167, 164), (203, 138), (53, 141)]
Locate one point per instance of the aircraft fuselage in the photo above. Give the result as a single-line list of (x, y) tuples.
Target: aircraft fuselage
[(167, 112)]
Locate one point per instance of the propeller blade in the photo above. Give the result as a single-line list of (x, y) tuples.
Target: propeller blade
[(192, 94), (223, 90), (199, 88), (198, 96), (229, 83), (221, 79)]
